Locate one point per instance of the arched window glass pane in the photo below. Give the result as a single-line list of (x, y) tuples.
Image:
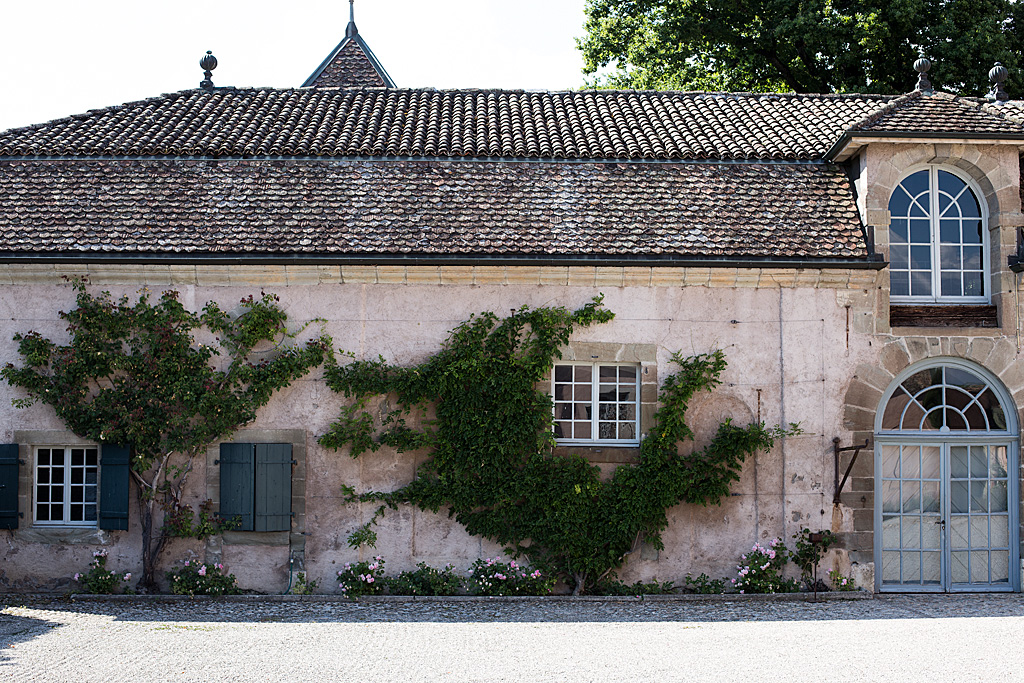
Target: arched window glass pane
[(916, 184), (899, 205), (934, 419), (955, 420), (967, 381), (950, 184), (913, 417), (892, 415), (944, 398), (993, 410)]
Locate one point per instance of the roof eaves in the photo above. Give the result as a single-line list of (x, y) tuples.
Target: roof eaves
[(837, 151), (664, 260)]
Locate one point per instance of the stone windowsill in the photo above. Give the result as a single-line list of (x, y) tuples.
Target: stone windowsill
[(64, 535)]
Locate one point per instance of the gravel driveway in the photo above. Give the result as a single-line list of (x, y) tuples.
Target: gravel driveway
[(898, 638)]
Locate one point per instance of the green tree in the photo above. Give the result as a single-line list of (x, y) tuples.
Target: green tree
[(133, 374), (800, 45)]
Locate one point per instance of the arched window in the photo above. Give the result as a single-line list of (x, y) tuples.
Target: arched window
[(944, 398), (937, 240), (945, 477)]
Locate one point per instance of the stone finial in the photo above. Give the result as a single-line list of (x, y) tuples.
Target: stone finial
[(998, 74), (351, 29), (208, 64), (921, 66)]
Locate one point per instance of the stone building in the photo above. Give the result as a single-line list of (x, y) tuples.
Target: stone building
[(855, 256)]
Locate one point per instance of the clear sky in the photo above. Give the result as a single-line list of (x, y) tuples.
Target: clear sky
[(62, 57)]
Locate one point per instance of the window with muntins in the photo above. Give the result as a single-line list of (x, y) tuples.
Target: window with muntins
[(937, 240), (66, 485), (944, 398), (597, 403), (945, 492)]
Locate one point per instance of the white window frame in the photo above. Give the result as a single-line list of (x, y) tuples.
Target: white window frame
[(67, 486), (595, 402), (934, 221)]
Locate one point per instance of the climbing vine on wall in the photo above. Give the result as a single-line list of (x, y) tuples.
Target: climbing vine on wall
[(490, 439), (134, 374)]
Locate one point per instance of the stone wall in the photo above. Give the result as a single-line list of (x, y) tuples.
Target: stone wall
[(802, 346)]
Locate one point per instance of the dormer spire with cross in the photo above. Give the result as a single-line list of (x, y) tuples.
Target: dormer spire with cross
[(351, 64)]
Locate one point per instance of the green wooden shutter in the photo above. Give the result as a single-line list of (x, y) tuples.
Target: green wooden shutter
[(9, 486), (273, 493), (114, 482), (237, 479)]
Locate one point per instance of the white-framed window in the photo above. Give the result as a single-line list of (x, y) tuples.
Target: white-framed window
[(597, 403), (938, 241), (66, 479)]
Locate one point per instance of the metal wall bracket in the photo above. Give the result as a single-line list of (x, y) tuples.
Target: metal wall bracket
[(836, 500)]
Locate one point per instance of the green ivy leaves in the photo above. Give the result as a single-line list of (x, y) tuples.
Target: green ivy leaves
[(492, 463)]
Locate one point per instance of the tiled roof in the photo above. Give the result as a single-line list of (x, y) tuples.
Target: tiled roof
[(940, 114), (1012, 110), (466, 123), (433, 209), (350, 65)]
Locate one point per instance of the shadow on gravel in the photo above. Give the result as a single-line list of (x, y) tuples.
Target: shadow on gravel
[(271, 610), (17, 629)]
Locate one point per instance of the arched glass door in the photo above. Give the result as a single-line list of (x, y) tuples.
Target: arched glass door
[(945, 484)]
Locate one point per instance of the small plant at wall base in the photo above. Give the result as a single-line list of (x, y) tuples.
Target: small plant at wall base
[(810, 548), (134, 375), (760, 570), (490, 443), (303, 585), (196, 578), (703, 585), (841, 582), (426, 580), (100, 580), (362, 578), (491, 576)]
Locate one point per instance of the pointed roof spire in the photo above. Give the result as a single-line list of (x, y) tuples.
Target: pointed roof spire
[(351, 64), (351, 29)]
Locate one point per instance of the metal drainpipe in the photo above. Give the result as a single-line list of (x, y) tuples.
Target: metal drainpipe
[(782, 408), (291, 563)]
